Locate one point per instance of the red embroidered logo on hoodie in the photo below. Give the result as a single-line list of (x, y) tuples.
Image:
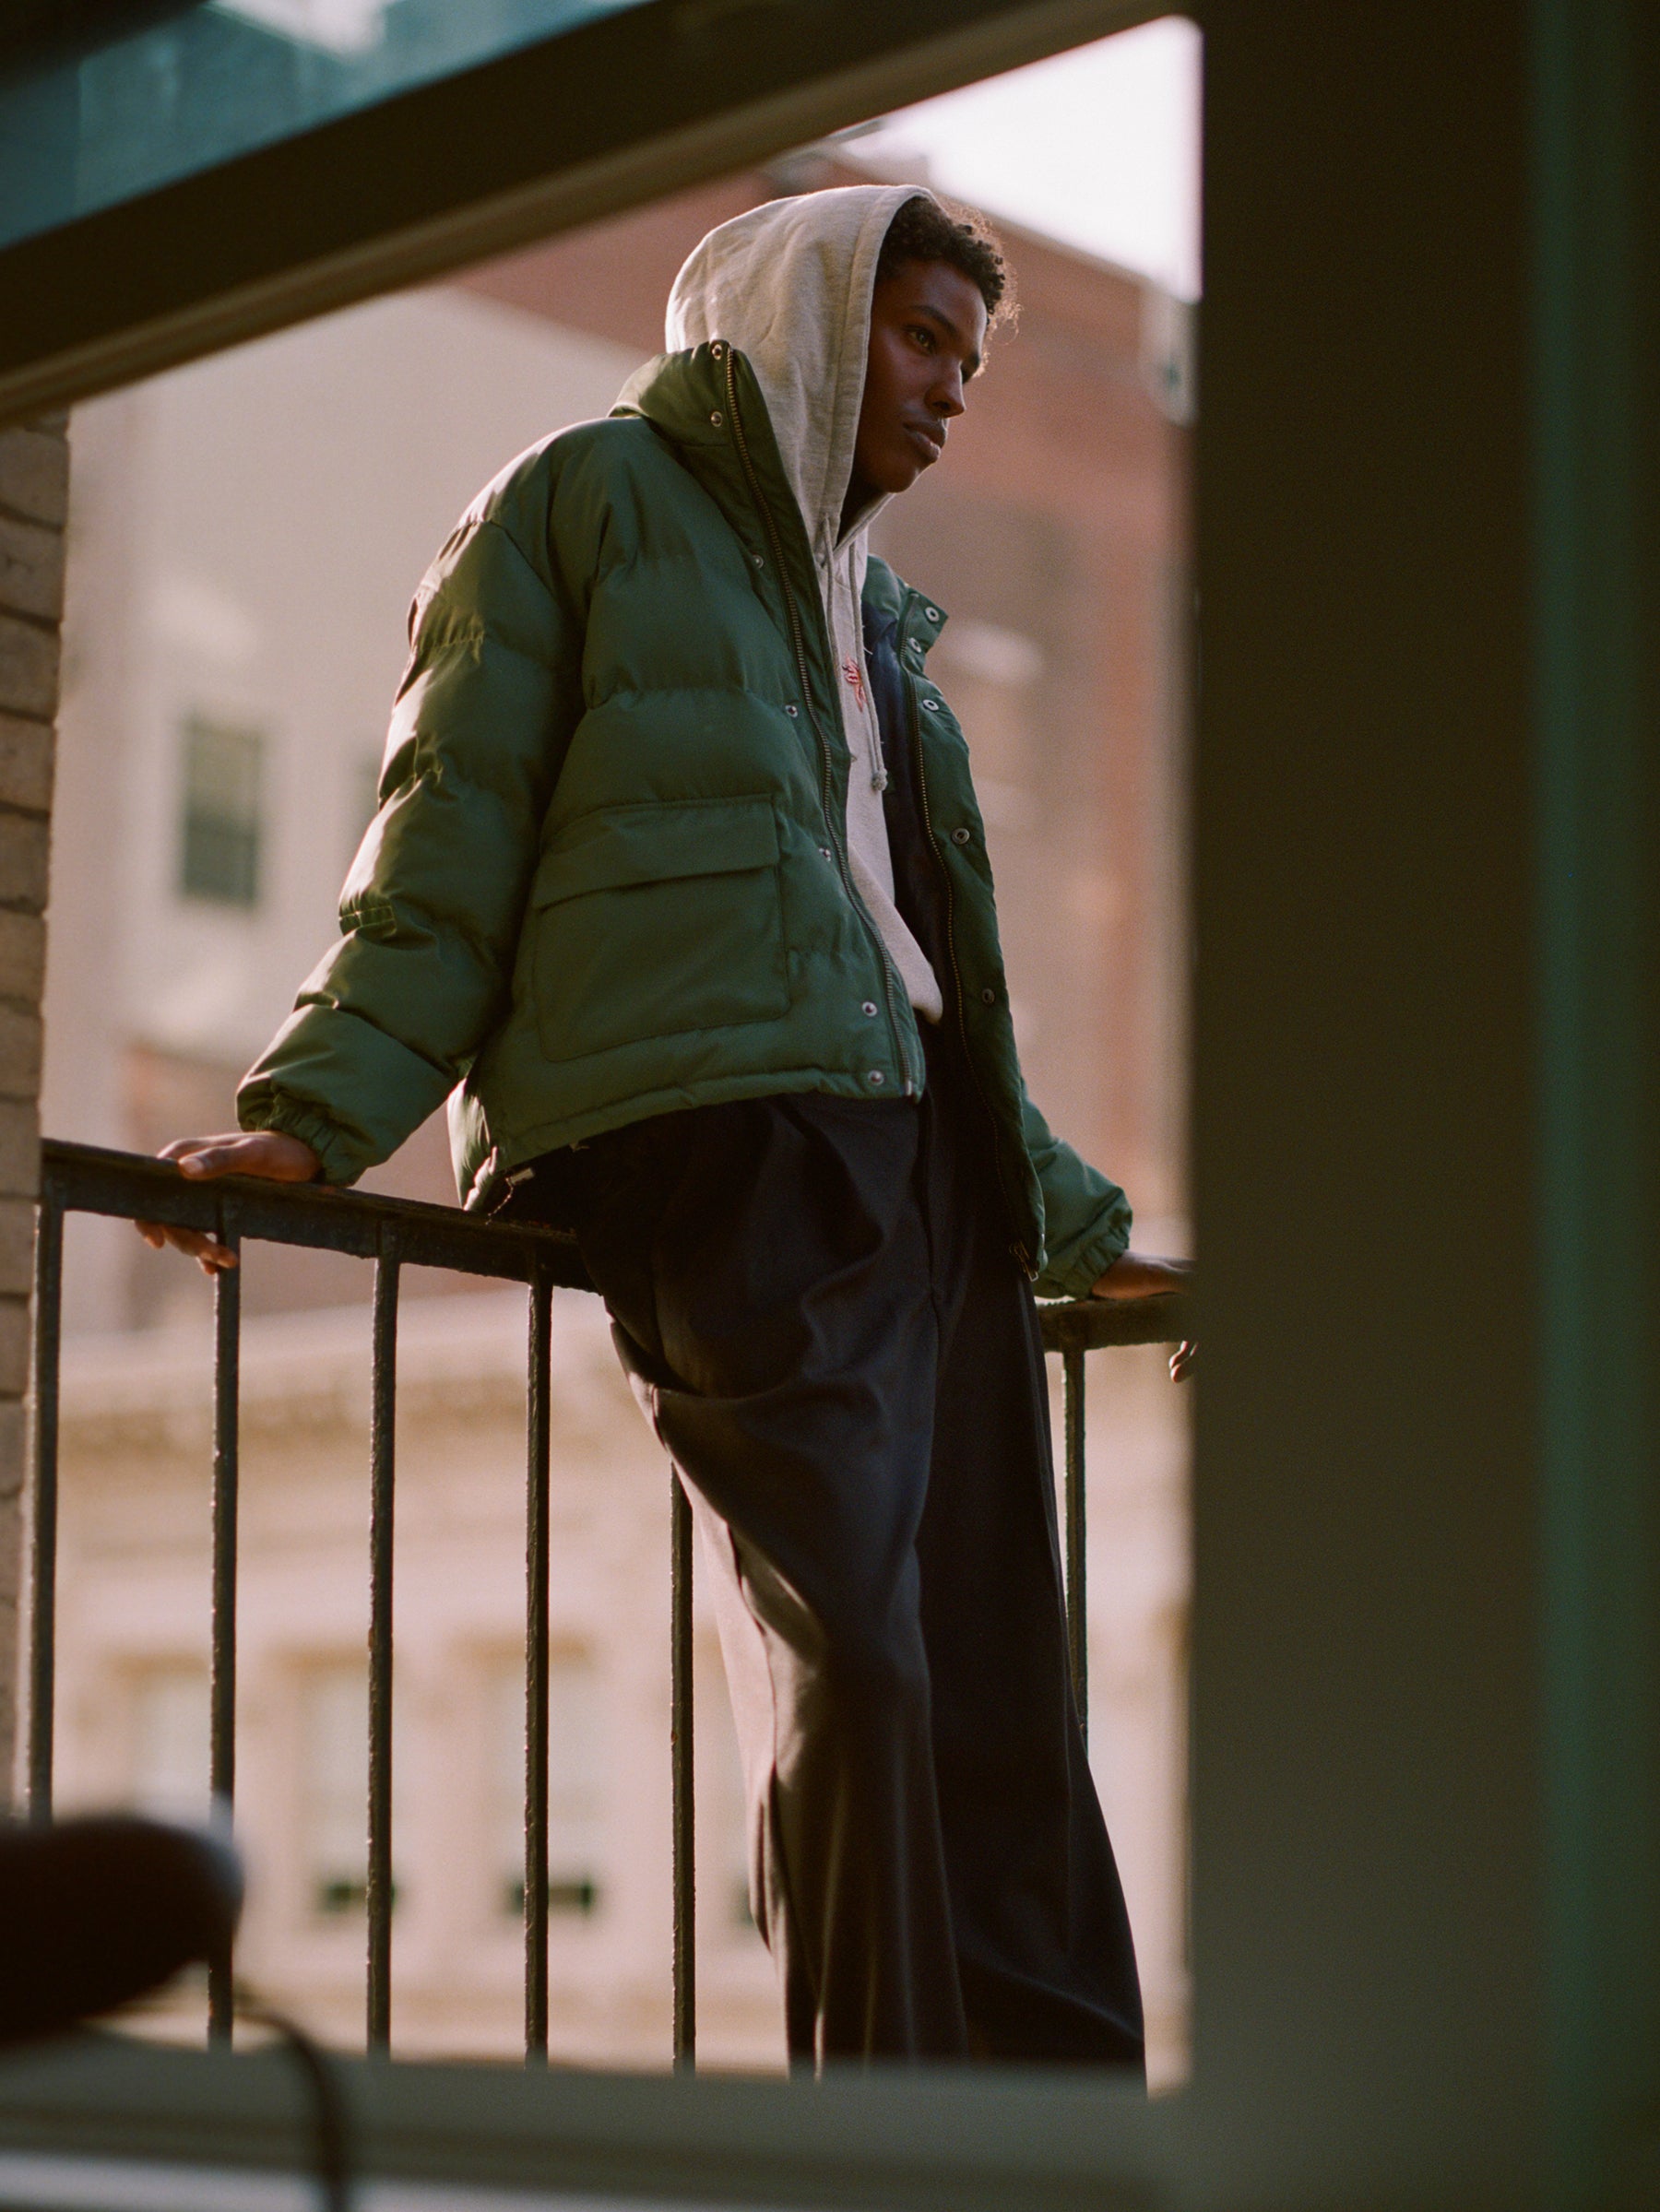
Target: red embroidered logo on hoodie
[(855, 676)]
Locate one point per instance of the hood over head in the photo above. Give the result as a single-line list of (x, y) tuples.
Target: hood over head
[(790, 285)]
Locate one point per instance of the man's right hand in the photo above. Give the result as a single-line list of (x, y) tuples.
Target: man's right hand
[(265, 1152)]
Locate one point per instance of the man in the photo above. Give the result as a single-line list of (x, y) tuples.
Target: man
[(679, 891)]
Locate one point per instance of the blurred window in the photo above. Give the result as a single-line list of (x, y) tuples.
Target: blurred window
[(335, 1789), (576, 1785), (219, 843), (994, 678), (170, 1769)]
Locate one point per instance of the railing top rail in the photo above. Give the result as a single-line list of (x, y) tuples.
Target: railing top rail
[(1089, 1324), (86, 1178)]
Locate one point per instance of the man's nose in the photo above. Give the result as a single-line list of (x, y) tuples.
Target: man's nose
[(946, 398)]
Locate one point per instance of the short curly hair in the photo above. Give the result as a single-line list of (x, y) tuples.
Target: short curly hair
[(933, 229)]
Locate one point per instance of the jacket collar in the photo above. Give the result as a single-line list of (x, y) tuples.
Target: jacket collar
[(920, 619), (707, 405), (688, 399)]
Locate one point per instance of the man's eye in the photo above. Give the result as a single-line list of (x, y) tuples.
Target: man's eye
[(923, 336)]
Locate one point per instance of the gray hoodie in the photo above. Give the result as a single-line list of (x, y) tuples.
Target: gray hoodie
[(790, 285)]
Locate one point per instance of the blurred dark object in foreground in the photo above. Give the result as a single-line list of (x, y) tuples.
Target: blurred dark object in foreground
[(96, 1912)]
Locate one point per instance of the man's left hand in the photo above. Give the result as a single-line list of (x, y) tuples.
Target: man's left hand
[(1132, 1276)]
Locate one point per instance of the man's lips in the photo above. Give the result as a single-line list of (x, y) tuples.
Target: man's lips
[(928, 437)]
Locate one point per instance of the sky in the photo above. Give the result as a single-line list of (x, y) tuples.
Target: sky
[(1099, 148)]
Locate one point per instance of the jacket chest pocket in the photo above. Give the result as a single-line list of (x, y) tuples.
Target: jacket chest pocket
[(649, 921)]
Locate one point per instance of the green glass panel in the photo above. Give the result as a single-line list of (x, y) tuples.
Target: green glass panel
[(167, 90)]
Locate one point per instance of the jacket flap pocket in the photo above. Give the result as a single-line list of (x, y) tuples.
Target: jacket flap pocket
[(621, 845)]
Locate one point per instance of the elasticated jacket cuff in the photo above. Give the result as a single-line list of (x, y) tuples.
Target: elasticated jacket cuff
[(289, 1118), (1084, 1266)]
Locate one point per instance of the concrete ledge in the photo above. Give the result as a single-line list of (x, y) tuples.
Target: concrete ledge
[(982, 2140)]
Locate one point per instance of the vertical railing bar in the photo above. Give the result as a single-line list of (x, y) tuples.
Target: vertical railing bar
[(383, 1412), (1077, 1610), (42, 1638), (680, 1759), (226, 1364), (536, 1671)]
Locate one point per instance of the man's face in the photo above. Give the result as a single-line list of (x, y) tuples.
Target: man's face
[(927, 324)]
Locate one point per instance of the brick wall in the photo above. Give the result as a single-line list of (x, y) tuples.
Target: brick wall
[(34, 481)]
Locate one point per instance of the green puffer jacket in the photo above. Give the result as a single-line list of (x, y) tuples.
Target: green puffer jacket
[(609, 875)]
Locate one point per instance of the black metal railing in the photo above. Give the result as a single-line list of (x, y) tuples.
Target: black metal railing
[(393, 1233)]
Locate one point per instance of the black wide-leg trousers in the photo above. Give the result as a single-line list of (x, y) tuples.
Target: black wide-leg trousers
[(816, 1300)]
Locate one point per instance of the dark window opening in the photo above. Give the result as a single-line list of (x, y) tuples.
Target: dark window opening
[(219, 849)]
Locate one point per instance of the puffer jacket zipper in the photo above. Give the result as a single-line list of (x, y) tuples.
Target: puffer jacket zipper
[(1020, 1253), (798, 639)]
